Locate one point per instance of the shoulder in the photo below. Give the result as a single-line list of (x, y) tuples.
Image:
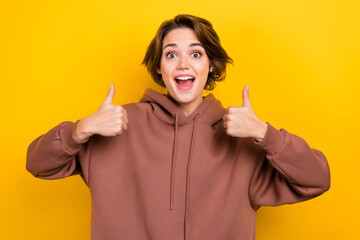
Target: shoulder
[(237, 144), (139, 108), (138, 111), (137, 115)]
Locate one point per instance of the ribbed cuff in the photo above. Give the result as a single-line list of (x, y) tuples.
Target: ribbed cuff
[(66, 136), (273, 140)]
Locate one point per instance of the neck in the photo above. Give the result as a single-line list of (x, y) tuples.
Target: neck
[(189, 107)]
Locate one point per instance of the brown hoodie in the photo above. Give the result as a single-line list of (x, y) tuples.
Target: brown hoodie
[(176, 177)]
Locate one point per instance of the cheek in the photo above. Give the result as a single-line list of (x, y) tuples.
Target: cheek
[(202, 66), (203, 70), (166, 73), (166, 67)]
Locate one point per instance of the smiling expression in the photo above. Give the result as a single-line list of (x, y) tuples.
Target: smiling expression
[(184, 67)]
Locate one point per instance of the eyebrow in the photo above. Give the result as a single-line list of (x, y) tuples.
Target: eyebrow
[(174, 45)]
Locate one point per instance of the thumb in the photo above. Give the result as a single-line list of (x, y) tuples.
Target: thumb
[(245, 94), (110, 95)]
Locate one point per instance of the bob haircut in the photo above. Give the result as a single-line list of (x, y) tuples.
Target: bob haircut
[(208, 39)]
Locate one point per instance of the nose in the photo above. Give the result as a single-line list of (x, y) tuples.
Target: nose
[(183, 63)]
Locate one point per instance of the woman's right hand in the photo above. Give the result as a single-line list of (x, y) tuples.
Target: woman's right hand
[(108, 120)]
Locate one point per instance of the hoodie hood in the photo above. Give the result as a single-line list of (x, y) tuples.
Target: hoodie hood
[(210, 110)]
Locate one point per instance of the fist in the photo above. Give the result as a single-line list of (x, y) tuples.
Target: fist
[(242, 121), (108, 120)]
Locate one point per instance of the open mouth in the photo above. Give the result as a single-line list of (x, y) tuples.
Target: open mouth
[(184, 82)]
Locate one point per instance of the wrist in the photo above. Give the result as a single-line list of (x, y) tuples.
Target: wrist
[(81, 132), (261, 131)]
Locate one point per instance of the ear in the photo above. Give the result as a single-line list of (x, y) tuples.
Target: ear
[(158, 70), (211, 69)]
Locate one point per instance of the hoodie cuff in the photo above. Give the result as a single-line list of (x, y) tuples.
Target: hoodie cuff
[(67, 140), (273, 140)]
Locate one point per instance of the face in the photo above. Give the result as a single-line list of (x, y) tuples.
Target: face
[(184, 66)]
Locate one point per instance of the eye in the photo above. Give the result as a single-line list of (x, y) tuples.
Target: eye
[(196, 54), (170, 55)]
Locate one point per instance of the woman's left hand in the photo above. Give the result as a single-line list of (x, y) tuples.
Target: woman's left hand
[(242, 121)]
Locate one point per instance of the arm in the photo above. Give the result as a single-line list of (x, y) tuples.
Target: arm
[(289, 172), (56, 154)]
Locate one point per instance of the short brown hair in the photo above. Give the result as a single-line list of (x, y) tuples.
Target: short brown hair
[(208, 39)]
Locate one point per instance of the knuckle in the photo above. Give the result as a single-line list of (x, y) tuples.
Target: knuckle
[(105, 107), (228, 131), (117, 109), (118, 128)]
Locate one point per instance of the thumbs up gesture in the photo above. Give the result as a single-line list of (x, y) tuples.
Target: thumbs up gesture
[(108, 120), (242, 121)]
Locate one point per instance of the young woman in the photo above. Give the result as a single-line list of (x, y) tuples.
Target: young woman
[(180, 166)]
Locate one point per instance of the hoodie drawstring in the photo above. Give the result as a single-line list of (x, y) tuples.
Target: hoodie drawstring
[(188, 172), (172, 163)]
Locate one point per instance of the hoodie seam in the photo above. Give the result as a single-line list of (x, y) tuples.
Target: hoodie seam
[(251, 179), (274, 156), (288, 176)]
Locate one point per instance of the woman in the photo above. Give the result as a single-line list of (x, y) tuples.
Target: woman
[(180, 166)]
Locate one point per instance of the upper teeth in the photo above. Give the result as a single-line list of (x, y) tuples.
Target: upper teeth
[(184, 78)]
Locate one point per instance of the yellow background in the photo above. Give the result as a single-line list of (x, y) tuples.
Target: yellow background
[(301, 59)]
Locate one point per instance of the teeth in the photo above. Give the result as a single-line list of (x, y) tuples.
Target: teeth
[(184, 78)]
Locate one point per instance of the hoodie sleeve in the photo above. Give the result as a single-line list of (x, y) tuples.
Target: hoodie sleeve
[(289, 172), (54, 155)]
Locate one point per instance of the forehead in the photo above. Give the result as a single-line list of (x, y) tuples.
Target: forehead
[(180, 36)]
